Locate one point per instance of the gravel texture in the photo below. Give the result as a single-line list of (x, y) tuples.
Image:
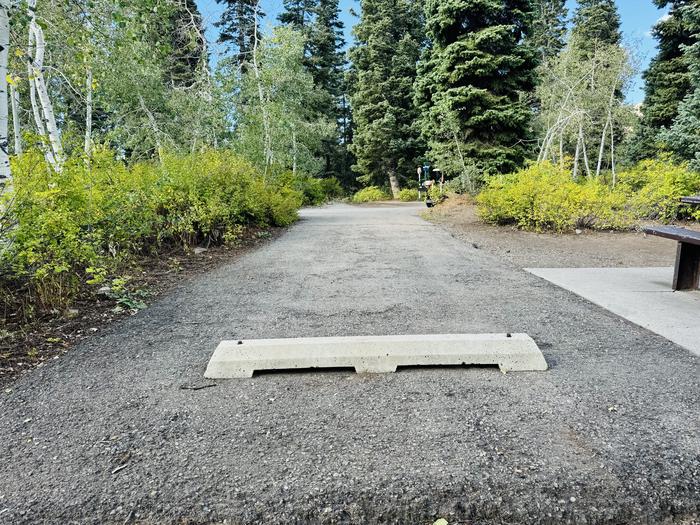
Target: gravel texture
[(119, 430)]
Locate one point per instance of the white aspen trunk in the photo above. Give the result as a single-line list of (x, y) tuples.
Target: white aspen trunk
[(578, 151), (470, 183), (561, 149), (88, 114), (267, 139), (612, 154), (14, 96), (608, 122), (294, 151), (36, 111), (5, 173), (154, 127), (43, 109), (585, 153), (43, 94), (601, 150)]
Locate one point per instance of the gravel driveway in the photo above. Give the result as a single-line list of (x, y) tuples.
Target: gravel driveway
[(107, 434)]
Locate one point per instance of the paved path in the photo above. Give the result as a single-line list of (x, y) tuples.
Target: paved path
[(608, 435)]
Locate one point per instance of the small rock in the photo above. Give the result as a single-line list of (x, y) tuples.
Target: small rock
[(71, 313), (579, 232), (104, 291), (199, 251)]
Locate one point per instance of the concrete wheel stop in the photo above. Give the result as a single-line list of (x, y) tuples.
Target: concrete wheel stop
[(375, 354)]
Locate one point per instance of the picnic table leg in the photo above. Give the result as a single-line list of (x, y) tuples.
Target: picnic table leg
[(687, 275)]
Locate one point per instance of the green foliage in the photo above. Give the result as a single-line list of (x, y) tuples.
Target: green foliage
[(470, 81), (683, 138), (314, 191), (237, 23), (667, 81), (596, 22), (277, 124), (545, 197), (370, 194), (654, 189), (408, 195), (549, 27), (386, 139), (77, 227)]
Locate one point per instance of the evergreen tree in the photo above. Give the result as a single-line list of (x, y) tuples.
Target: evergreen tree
[(667, 79), (297, 13), (386, 142), (326, 43), (684, 136), (470, 82), (326, 62), (187, 44), (549, 27), (596, 22), (237, 25)]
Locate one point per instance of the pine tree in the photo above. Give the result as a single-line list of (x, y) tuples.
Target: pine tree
[(386, 142), (683, 138), (297, 13), (549, 27), (326, 62), (596, 22), (470, 82), (667, 81), (188, 44), (326, 43), (238, 24)]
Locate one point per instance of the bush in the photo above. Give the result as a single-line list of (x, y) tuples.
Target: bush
[(654, 188), (370, 194), (544, 197), (408, 195), (314, 191), (99, 218)]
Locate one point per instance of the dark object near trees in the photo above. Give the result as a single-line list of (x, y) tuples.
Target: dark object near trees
[(687, 274)]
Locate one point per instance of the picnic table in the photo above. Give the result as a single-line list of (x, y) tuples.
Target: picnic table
[(687, 272)]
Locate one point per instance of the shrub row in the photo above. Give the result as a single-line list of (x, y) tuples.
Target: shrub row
[(545, 197), (370, 194), (90, 220)]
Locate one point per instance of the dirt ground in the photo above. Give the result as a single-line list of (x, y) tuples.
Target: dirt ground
[(548, 250)]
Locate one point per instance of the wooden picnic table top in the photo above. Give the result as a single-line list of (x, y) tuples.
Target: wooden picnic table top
[(673, 232), (694, 200)]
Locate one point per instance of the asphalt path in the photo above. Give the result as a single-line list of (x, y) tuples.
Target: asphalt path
[(113, 432)]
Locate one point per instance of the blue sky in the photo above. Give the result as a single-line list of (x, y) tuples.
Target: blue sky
[(638, 17)]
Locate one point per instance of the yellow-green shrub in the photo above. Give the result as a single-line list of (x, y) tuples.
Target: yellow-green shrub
[(370, 194), (544, 197), (314, 191), (408, 195), (654, 189), (99, 216)]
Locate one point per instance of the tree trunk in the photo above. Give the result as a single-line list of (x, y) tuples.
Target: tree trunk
[(294, 152), (14, 96), (88, 114), (585, 153), (612, 154), (394, 182), (5, 174), (577, 155), (46, 120), (267, 139)]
